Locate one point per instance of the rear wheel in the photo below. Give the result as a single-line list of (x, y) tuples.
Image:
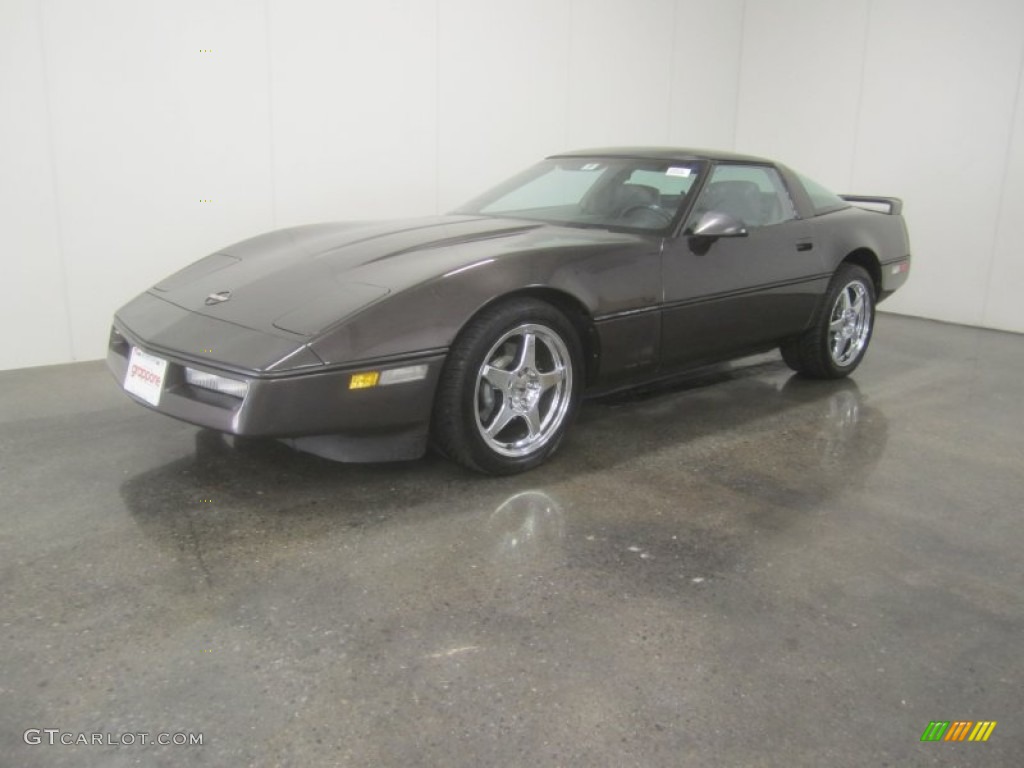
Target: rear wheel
[(835, 345), (509, 389)]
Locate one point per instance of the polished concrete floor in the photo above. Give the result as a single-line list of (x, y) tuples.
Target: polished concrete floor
[(744, 569)]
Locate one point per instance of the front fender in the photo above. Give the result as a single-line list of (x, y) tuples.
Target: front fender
[(606, 280)]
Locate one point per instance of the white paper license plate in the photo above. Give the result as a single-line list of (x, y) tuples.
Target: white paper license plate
[(145, 377)]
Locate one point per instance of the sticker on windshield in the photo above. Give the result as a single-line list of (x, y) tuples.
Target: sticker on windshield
[(676, 171), (591, 167)]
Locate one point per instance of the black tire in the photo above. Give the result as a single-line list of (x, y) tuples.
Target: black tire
[(501, 409), (835, 344)]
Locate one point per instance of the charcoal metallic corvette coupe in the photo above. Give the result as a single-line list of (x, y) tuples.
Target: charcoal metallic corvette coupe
[(479, 332)]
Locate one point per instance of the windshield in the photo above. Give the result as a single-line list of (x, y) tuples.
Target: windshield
[(613, 193)]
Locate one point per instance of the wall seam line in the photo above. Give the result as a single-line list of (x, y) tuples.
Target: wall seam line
[(58, 218), (1004, 182), (272, 155), (568, 79), (739, 78), (672, 74), (860, 99), (437, 106)]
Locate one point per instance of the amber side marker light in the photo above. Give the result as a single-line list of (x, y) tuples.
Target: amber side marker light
[(367, 379), (364, 380)]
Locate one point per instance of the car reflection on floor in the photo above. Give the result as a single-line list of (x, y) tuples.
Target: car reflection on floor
[(264, 496)]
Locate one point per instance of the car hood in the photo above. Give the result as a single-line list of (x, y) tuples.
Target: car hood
[(303, 278)]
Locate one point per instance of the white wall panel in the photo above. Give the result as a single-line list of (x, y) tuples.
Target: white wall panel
[(707, 44), (1004, 307), (33, 311), (354, 94), (120, 116), (503, 91), (800, 85), (146, 126), (620, 71), (939, 90)]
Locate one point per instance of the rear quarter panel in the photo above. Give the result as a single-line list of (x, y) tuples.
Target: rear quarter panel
[(853, 229)]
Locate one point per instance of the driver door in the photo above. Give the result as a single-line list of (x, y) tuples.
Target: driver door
[(726, 295)]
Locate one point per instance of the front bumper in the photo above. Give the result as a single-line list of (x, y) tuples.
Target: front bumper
[(315, 409)]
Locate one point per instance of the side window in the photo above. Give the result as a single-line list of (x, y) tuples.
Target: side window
[(822, 199), (754, 194)]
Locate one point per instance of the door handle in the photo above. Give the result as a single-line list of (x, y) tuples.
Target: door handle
[(805, 246)]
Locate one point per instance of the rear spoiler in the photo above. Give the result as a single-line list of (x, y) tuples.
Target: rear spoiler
[(890, 205)]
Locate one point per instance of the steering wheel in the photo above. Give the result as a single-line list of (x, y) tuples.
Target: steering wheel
[(663, 216)]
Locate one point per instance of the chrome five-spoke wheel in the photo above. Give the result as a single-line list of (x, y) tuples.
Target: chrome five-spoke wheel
[(509, 388), (835, 343), (523, 390), (850, 323)]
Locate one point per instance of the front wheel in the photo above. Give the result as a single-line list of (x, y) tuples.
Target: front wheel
[(837, 341), (509, 389)]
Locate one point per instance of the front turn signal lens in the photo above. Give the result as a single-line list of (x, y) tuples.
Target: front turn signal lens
[(364, 380)]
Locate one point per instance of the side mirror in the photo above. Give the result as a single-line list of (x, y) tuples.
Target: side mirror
[(718, 224)]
